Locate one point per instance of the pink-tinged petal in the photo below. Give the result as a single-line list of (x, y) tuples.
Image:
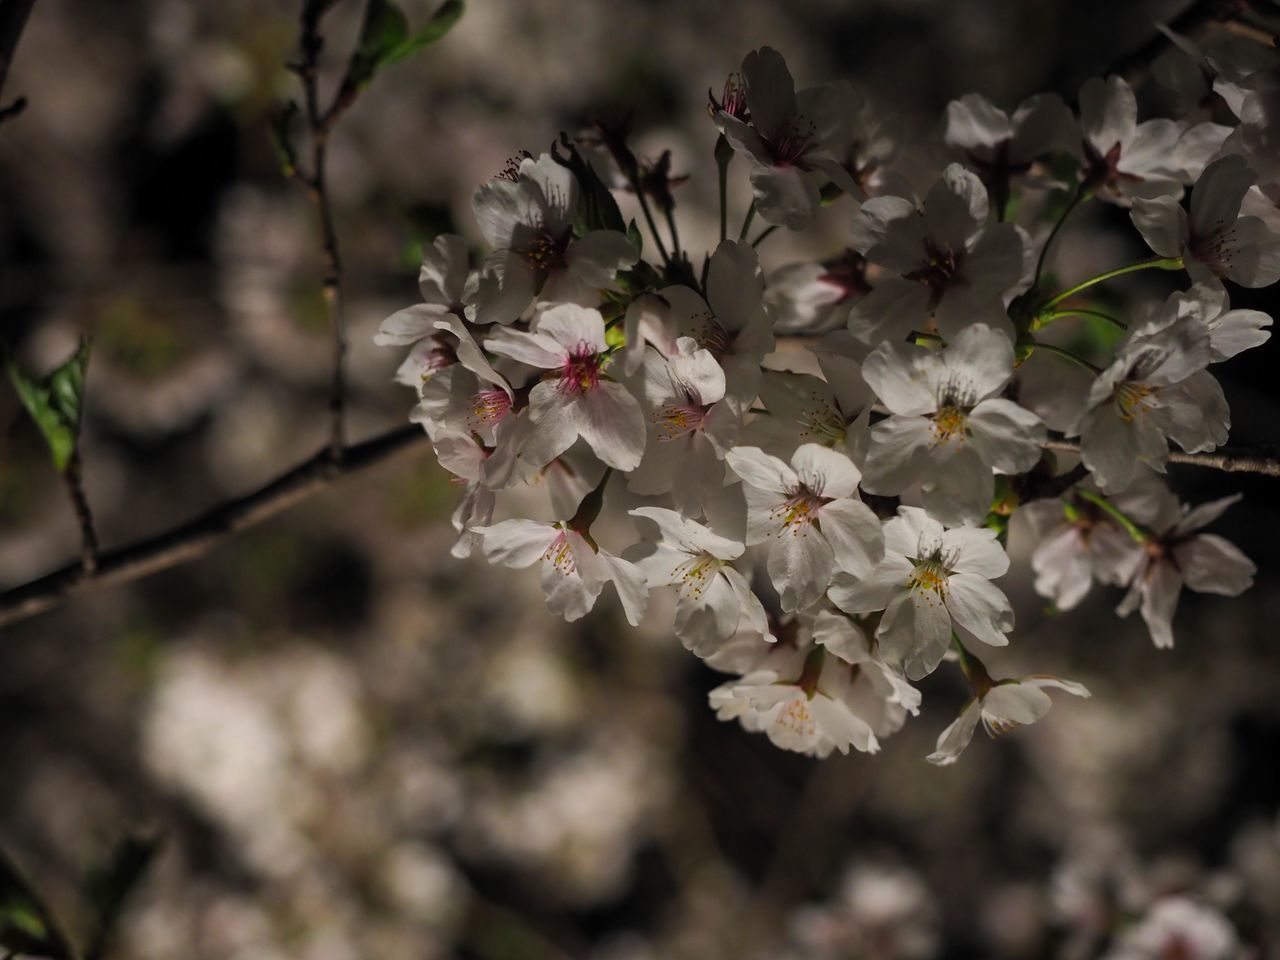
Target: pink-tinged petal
[(898, 455), (825, 471), (1015, 703), (613, 424), (1195, 413), (1218, 193), (1007, 436), (575, 328), (1108, 113), (843, 726), (980, 607), (408, 325), (1162, 223), (953, 740), (981, 358), (975, 550), (516, 543), (1210, 564), (890, 311), (915, 632), (771, 92), (959, 487), (800, 565), (786, 196), (874, 591), (854, 534), (555, 420), (759, 470), (596, 258), (903, 376), (535, 349)]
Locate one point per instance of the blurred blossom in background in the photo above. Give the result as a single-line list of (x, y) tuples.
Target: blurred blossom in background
[(355, 745)]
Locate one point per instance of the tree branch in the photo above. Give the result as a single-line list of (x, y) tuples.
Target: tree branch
[(1262, 460), (201, 534)]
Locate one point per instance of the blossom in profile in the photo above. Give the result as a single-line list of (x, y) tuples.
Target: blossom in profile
[(1213, 239), (998, 144), (809, 514), (949, 428), (573, 570), (931, 582), (1002, 706), (1230, 331)]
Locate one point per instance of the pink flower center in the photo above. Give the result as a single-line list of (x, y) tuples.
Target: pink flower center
[(560, 554), (489, 407), (581, 370), (938, 268), (789, 149), (798, 512), (677, 419)]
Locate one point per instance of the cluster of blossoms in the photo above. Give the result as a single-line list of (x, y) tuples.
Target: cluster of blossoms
[(832, 522)]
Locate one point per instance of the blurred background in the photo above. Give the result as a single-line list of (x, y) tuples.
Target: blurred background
[(353, 745)]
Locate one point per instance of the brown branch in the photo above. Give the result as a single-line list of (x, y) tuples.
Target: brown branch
[(1265, 461), (13, 19), (201, 534), (319, 123), (74, 482)]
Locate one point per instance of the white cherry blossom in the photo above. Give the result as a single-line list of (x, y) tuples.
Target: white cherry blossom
[(810, 515), (949, 428), (931, 582), (1004, 705)]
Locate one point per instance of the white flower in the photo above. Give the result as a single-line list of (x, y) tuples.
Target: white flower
[(578, 399), (931, 581), (786, 137), (1178, 927), (1230, 331), (995, 142), (714, 601), (814, 297), (1075, 544), (573, 570), (731, 324), (1124, 159), (810, 516), (951, 263), (1213, 240), (1002, 706), (527, 215), (1177, 556), (1155, 390), (834, 412), (692, 425), (949, 429)]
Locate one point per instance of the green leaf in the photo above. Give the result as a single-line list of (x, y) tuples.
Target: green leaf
[(384, 29), (441, 22), (26, 925), (597, 209), (56, 402)]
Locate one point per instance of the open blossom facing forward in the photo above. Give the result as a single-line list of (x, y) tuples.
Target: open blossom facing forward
[(821, 461), (809, 515), (949, 429)]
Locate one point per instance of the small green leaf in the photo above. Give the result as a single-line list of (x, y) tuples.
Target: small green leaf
[(56, 402), (633, 234), (385, 29), (26, 926), (441, 22)]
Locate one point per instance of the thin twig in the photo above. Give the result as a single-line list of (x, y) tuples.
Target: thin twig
[(1262, 460), (201, 534), (319, 124), (13, 19), (73, 479)]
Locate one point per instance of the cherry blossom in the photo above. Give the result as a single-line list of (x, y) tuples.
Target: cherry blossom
[(1002, 706)]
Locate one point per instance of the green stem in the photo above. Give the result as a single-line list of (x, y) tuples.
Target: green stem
[(919, 338), (763, 234), (1044, 319), (1155, 263), (746, 222), (1080, 195), (1068, 355), (1136, 531), (648, 217)]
